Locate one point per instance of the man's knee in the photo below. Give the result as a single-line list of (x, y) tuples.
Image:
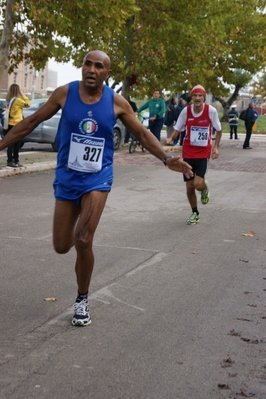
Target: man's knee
[(61, 251), (61, 247), (83, 240), (199, 183)]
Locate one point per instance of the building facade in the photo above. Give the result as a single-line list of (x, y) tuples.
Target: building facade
[(33, 83)]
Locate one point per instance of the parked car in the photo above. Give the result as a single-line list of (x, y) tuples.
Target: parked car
[(119, 134), (2, 108), (2, 104), (46, 131)]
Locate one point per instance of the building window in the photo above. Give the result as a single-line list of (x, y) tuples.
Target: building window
[(25, 80), (42, 82), (15, 77)]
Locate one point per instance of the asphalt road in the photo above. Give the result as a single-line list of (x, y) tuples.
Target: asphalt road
[(177, 311)]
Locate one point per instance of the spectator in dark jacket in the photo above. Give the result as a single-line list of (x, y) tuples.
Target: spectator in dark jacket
[(170, 116), (181, 104), (128, 134), (249, 122), (186, 102)]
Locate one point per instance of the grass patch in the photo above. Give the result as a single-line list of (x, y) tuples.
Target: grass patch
[(260, 125)]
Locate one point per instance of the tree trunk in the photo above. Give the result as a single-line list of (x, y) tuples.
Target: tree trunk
[(226, 104), (125, 88), (6, 38)]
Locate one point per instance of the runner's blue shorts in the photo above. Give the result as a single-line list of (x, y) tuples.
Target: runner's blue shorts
[(63, 193)]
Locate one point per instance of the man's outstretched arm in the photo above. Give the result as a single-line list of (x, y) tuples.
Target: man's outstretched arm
[(27, 125), (147, 139)]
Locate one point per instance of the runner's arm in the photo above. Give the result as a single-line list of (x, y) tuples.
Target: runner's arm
[(124, 112), (27, 125), (213, 114)]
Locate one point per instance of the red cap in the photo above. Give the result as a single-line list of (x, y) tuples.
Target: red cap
[(199, 90)]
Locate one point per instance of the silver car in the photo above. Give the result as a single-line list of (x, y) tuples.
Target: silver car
[(46, 131)]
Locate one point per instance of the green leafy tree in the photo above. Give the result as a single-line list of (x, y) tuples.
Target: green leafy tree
[(259, 85), (152, 44), (36, 30), (175, 47), (222, 48)]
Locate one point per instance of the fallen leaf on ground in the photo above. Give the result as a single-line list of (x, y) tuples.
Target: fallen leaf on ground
[(49, 299), (249, 234)]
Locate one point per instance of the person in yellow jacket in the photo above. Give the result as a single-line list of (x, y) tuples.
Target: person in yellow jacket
[(15, 116)]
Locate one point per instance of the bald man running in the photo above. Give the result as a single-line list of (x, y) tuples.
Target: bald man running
[(84, 172)]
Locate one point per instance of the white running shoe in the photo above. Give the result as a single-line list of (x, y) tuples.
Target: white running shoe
[(81, 314)]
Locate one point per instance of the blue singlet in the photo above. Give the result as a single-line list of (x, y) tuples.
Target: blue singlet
[(85, 143)]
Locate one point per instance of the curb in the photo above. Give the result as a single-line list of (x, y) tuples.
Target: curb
[(35, 167)]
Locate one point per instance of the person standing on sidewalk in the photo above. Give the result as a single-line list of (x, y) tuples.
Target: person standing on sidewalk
[(170, 116), (156, 109), (84, 172), (185, 103), (198, 120), (233, 122), (19, 101), (128, 134), (249, 122)]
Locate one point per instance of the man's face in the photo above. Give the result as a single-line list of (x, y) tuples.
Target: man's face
[(95, 69), (198, 99), (156, 95)]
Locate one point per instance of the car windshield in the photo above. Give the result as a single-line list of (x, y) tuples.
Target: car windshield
[(36, 104)]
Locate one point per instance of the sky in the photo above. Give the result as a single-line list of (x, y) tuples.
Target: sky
[(66, 72)]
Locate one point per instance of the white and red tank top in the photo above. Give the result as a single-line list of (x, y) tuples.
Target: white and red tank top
[(197, 141)]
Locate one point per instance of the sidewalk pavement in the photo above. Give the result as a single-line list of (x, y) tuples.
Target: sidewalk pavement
[(32, 161), (35, 161)]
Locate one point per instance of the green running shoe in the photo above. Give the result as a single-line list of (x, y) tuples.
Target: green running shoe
[(205, 194), (193, 218)]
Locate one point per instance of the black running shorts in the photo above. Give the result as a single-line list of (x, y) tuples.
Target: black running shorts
[(199, 167)]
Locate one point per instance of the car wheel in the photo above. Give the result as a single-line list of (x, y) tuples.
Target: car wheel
[(117, 139), (132, 146), (54, 146)]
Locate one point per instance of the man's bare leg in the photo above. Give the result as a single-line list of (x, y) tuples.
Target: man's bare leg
[(76, 225), (191, 194), (66, 214), (192, 185), (92, 206)]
